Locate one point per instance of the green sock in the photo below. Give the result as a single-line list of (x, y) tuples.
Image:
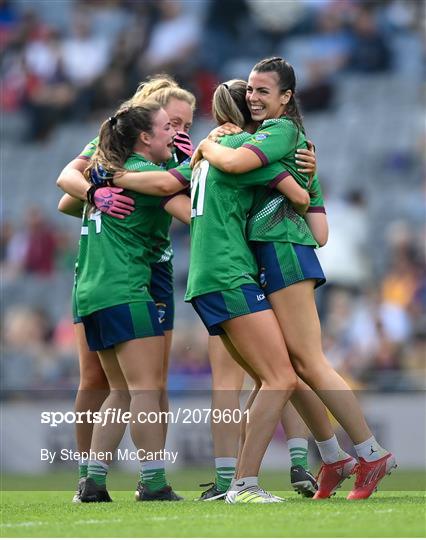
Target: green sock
[(82, 470), (153, 475), (225, 470), (298, 449), (97, 470)]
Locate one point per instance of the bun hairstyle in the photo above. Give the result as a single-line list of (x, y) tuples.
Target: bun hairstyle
[(229, 103), (118, 136), (162, 88), (286, 81)]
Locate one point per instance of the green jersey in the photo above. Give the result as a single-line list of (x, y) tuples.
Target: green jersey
[(277, 140), (272, 217), (161, 248), (220, 258), (115, 254), (89, 149)]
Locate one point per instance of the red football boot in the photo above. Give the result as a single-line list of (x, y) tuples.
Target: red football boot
[(369, 474), (331, 476)]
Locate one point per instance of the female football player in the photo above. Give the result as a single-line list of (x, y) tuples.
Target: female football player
[(93, 388), (112, 294), (291, 273)]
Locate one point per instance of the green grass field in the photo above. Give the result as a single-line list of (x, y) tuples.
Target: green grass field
[(392, 512)]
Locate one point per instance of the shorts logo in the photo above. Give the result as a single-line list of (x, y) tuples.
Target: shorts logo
[(161, 311), (262, 278), (261, 136), (260, 297)]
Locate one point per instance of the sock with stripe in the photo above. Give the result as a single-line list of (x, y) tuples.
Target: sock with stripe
[(330, 451), (82, 468), (370, 450), (153, 474), (225, 470), (298, 449), (97, 470)]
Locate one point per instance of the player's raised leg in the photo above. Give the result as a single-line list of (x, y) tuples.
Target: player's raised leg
[(296, 311), (337, 464)]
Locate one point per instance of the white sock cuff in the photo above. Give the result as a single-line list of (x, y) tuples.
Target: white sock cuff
[(297, 442), (154, 464), (328, 441), (368, 442), (225, 462), (83, 462)]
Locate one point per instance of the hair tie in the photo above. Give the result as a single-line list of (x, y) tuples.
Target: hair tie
[(225, 85), (112, 121)]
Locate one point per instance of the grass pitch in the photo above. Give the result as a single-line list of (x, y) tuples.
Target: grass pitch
[(50, 514)]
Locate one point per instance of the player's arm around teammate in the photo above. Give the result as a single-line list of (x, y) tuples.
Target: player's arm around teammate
[(226, 98), (179, 105), (222, 289), (123, 326), (270, 96)]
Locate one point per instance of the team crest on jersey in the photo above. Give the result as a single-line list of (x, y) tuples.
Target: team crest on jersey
[(261, 136), (161, 311)]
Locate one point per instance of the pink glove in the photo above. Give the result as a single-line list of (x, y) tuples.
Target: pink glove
[(108, 201), (182, 143)]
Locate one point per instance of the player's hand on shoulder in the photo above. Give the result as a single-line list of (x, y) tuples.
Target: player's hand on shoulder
[(226, 129), (306, 159), (197, 155)]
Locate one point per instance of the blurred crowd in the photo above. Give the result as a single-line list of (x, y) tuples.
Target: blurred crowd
[(374, 325), (75, 61), (59, 68)]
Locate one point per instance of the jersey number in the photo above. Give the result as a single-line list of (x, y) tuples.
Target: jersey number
[(96, 217), (198, 188)]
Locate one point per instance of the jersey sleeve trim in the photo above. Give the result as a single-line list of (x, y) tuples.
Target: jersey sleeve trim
[(179, 176), (274, 183), (316, 210), (165, 200), (82, 156), (258, 152)]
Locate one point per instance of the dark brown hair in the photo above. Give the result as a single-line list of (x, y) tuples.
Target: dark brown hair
[(286, 81), (118, 135)]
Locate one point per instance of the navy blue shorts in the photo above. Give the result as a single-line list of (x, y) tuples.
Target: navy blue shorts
[(282, 264), (161, 290), (217, 307), (111, 326)]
